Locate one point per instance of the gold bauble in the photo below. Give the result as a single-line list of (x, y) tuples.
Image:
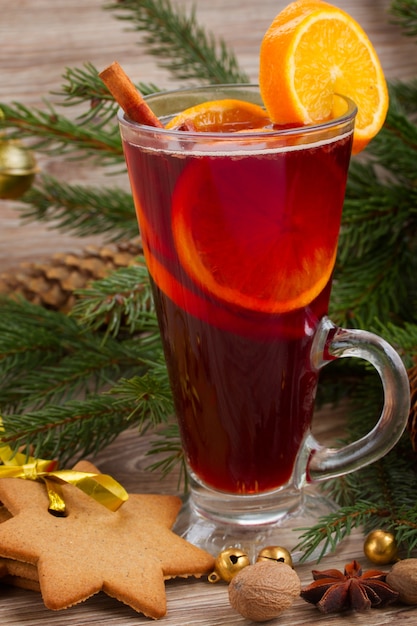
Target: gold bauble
[(228, 563), (380, 547), (17, 169), (275, 553)]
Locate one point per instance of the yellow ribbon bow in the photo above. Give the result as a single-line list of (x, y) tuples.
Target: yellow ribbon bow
[(102, 487)]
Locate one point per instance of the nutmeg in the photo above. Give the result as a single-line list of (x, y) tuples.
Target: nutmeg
[(262, 591), (403, 578)]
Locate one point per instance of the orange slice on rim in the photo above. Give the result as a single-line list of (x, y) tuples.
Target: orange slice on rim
[(248, 251), (227, 115), (312, 51)]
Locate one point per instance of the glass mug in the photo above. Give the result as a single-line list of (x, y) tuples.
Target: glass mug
[(240, 235)]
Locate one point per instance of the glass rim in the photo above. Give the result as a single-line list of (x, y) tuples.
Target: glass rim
[(344, 118)]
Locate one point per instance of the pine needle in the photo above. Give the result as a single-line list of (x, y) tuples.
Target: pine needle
[(55, 134), (122, 300), (81, 210), (83, 84)]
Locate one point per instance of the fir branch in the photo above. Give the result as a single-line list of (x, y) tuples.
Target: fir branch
[(334, 527), (55, 134), (402, 336), (404, 529), (405, 15), (83, 85), (90, 366), (31, 336), (72, 430), (405, 93), (385, 478), (80, 210), (149, 394), (376, 284), (382, 493), (376, 264), (179, 43), (47, 357), (166, 445), (122, 300), (395, 145), (77, 428)]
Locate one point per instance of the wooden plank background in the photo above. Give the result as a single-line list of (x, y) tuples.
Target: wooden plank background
[(38, 40)]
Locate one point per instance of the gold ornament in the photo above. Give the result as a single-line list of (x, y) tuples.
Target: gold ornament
[(275, 553), (17, 169), (228, 563), (380, 547)]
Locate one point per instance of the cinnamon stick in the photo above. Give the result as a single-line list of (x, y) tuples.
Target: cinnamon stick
[(127, 96)]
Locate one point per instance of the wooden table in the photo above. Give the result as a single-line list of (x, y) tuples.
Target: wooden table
[(37, 41), (191, 602)]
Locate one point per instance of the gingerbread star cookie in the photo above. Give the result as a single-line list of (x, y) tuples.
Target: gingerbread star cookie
[(126, 553), (19, 574)]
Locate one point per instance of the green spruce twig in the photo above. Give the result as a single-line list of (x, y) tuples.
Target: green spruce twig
[(48, 357), (166, 446), (74, 391), (122, 300), (55, 134), (377, 264), (81, 210), (77, 428), (84, 85), (331, 529), (404, 13)]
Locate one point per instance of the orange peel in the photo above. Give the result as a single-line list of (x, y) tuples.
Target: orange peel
[(312, 51), (224, 115)]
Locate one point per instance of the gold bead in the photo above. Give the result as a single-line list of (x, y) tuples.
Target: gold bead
[(17, 169), (275, 553), (380, 547), (228, 563)]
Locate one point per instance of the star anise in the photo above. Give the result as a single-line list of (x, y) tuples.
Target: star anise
[(334, 591)]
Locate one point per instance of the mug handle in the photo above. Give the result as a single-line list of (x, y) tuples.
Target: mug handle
[(330, 343)]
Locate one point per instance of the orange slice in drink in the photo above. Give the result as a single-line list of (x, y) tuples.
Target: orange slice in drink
[(249, 252), (228, 115), (312, 51)]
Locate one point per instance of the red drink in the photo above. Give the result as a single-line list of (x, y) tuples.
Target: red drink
[(240, 247), (240, 233)]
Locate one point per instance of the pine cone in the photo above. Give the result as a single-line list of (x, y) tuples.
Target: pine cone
[(52, 283)]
